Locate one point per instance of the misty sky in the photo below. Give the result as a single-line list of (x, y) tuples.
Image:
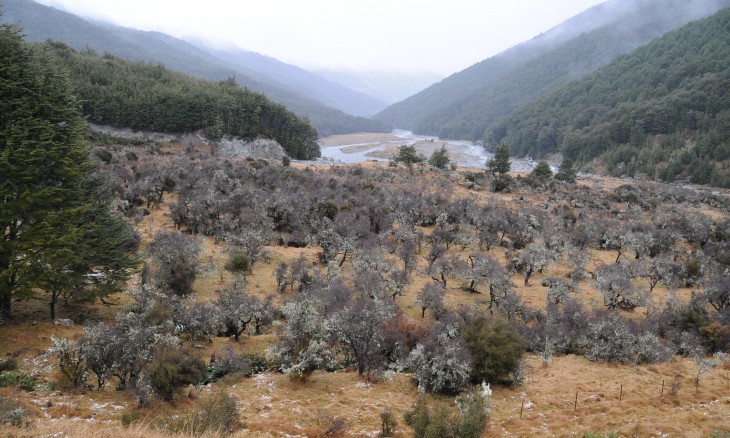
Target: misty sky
[(442, 36)]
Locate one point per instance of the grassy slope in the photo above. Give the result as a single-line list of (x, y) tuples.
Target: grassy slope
[(270, 404)]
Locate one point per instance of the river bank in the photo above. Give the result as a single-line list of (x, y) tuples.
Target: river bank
[(361, 147)]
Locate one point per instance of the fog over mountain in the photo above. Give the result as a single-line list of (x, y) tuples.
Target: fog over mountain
[(308, 84), (41, 22), (466, 103), (390, 87)]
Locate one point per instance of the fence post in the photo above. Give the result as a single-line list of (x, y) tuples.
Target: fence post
[(621, 393), (575, 405), (522, 407), (662, 395)]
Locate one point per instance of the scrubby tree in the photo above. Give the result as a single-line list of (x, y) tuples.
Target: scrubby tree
[(360, 329), (609, 338), (431, 298), (614, 284), (496, 349), (175, 260), (717, 292), (441, 365), (236, 308)]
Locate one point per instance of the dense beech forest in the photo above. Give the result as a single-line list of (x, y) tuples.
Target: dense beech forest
[(467, 103), (41, 23), (150, 97), (661, 111)]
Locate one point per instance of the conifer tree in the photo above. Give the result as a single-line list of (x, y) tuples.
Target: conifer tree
[(500, 164), (566, 172), (57, 232), (439, 158)]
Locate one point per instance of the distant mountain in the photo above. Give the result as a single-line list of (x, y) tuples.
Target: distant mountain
[(308, 84), (467, 103), (389, 87), (662, 110), (41, 22)]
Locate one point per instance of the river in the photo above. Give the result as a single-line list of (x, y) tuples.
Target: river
[(357, 148)]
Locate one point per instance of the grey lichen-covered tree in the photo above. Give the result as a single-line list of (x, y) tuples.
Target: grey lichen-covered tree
[(442, 365), (614, 284), (431, 297), (174, 261)]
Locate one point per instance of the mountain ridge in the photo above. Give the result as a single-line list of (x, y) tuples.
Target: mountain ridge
[(440, 109), (42, 22)]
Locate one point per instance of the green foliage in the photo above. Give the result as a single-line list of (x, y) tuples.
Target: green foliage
[(500, 163), (19, 379), (474, 409), (427, 423), (496, 348), (440, 423), (8, 365), (173, 369), (542, 171), (408, 155), (217, 414), (388, 422), (566, 172), (238, 261), (639, 113), (59, 235), (150, 97), (502, 183), (130, 418), (466, 104), (439, 158)]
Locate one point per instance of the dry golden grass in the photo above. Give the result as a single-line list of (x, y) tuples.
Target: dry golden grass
[(272, 405)]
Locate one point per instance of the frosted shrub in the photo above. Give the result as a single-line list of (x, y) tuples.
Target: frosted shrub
[(609, 339), (650, 349), (441, 367)]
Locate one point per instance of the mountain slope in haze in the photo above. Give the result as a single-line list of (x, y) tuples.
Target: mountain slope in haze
[(389, 87), (662, 110), (305, 83), (465, 104), (41, 22)]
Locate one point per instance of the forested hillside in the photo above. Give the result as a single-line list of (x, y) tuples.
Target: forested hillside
[(465, 104), (151, 97), (41, 23), (663, 110)]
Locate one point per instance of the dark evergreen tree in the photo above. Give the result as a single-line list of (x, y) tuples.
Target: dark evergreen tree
[(542, 171), (566, 172), (55, 227), (439, 158), (408, 155), (500, 163)]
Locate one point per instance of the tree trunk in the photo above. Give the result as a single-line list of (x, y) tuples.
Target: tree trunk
[(54, 299), (527, 277), (5, 306)]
